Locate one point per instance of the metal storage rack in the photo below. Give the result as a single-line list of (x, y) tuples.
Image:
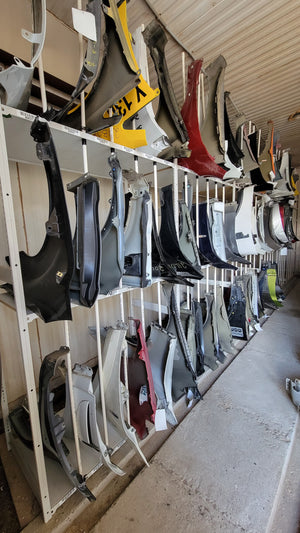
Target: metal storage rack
[(17, 145), (46, 478)]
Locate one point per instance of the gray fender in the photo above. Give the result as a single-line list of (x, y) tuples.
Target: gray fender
[(86, 416)]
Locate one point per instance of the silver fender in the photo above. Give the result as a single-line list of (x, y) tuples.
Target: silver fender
[(116, 394), (243, 229), (86, 416)]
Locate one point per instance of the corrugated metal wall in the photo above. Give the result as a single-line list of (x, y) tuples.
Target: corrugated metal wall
[(260, 40)]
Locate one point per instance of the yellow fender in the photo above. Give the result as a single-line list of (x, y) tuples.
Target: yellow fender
[(294, 185), (127, 107)]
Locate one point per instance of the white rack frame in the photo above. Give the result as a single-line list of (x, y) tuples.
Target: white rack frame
[(16, 145)]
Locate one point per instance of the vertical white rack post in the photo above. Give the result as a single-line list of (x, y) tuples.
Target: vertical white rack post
[(176, 217), (22, 323), (156, 222), (197, 229), (207, 209), (136, 168)]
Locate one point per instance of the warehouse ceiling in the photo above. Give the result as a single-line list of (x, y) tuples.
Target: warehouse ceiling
[(260, 41)]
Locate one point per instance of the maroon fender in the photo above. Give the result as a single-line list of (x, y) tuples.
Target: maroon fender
[(281, 211), (142, 400), (200, 160)]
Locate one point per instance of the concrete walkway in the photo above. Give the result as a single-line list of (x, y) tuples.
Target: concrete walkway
[(233, 464)]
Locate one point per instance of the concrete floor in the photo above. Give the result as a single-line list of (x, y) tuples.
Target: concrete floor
[(233, 464)]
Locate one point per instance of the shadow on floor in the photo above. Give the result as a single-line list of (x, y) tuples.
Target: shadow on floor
[(9, 522)]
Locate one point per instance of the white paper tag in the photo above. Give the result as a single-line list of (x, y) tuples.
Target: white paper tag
[(143, 395), (258, 327), (219, 206), (272, 175), (237, 332), (84, 23), (160, 420), (283, 251)]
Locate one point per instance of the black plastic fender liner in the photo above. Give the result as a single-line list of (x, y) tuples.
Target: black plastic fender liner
[(112, 233), (52, 424), (160, 266), (276, 224), (221, 323), (47, 275), (171, 246), (234, 151), (85, 283), (192, 324), (265, 158)]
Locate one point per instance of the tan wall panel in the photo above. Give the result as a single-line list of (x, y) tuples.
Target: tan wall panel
[(11, 354), (61, 49)]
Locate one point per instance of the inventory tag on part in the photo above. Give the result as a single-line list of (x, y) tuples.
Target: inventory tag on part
[(237, 332), (143, 395), (160, 420)]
